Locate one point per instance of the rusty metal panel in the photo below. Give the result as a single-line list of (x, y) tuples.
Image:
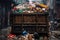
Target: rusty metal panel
[(29, 19), (30, 22), (18, 19), (41, 19)]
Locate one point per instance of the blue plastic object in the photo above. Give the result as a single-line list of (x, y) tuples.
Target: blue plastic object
[(24, 33)]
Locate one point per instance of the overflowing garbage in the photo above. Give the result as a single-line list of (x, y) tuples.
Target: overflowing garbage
[(21, 37), (33, 7)]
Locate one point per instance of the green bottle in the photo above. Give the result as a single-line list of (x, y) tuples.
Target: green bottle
[(20, 11)]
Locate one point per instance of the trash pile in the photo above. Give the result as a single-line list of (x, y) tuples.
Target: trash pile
[(23, 36), (30, 8)]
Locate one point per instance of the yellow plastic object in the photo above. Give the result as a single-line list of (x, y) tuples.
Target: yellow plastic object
[(43, 5)]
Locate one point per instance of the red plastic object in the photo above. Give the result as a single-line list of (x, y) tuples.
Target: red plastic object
[(11, 36), (15, 8)]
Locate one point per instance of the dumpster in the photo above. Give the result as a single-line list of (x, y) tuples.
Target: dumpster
[(31, 18)]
